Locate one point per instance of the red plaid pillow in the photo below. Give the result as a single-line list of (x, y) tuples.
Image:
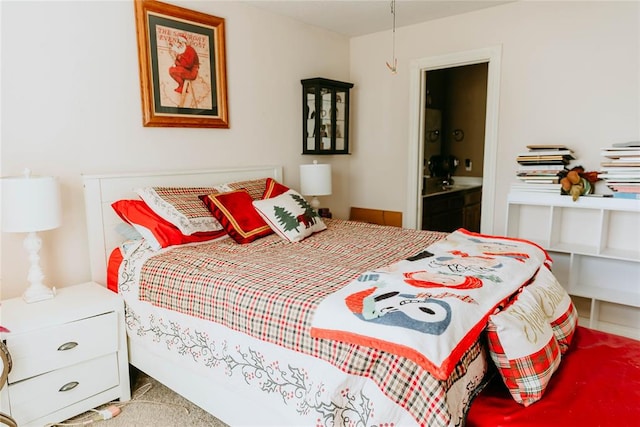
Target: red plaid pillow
[(237, 215), (255, 187), (564, 327), (524, 349), (556, 305), (181, 206)]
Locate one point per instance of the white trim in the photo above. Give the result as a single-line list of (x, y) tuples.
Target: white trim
[(491, 55)]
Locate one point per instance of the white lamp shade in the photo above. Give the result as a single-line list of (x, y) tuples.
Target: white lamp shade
[(315, 179), (30, 203)]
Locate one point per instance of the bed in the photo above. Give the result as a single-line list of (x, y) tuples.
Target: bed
[(216, 346)]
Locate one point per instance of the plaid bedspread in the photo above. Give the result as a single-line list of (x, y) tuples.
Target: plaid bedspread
[(270, 288)]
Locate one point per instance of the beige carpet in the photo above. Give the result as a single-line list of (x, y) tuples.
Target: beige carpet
[(152, 405)]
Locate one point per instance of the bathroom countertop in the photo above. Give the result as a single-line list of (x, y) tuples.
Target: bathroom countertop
[(451, 189)]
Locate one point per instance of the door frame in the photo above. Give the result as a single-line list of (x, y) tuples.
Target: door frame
[(492, 56)]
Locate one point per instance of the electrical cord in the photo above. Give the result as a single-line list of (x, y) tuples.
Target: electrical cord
[(114, 408)]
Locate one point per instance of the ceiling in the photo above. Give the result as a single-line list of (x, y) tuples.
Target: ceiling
[(359, 17)]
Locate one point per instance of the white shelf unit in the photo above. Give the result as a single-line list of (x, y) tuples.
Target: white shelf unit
[(595, 246)]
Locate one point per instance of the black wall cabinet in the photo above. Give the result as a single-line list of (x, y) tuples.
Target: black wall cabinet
[(325, 116)]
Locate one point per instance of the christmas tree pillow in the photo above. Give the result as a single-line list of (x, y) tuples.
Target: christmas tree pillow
[(290, 216)]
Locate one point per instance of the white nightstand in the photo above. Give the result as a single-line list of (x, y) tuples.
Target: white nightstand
[(69, 354)]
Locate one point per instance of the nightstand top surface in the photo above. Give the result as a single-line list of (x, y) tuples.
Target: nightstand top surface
[(70, 303)]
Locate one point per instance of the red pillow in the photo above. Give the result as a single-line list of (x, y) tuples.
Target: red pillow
[(159, 232), (273, 189), (235, 211), (115, 259)]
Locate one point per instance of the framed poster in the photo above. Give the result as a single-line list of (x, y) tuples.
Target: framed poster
[(182, 61)]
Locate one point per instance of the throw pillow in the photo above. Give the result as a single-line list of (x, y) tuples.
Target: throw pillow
[(556, 305), (181, 206), (237, 215), (524, 349), (290, 216)]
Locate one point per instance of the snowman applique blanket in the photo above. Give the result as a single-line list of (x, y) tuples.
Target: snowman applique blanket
[(430, 308)]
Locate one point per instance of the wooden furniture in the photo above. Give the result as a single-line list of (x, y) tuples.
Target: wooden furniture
[(69, 354), (594, 244), (376, 216), (325, 116), (453, 209), (471, 213)]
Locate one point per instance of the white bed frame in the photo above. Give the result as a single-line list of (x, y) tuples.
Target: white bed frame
[(100, 191)]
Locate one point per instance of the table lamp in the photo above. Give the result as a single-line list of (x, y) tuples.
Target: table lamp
[(31, 204), (315, 180)]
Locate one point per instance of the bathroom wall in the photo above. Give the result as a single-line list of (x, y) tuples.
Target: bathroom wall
[(459, 95)]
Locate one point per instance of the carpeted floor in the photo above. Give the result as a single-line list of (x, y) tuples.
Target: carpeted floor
[(151, 405)]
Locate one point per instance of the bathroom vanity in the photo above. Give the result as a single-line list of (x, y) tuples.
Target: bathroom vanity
[(449, 207)]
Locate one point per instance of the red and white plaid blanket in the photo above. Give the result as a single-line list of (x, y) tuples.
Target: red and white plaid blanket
[(430, 309), (270, 288)]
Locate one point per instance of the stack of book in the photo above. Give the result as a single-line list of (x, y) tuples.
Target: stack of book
[(621, 169), (539, 167)]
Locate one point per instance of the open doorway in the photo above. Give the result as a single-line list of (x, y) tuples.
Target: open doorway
[(417, 155), (455, 115)]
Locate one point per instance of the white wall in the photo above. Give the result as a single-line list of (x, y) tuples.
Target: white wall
[(71, 105), (570, 74)]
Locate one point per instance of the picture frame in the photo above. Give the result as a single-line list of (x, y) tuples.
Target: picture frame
[(182, 66)]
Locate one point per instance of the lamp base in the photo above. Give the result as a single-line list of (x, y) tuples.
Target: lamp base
[(315, 203), (35, 293)]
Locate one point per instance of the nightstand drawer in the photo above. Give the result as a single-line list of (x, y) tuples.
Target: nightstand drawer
[(42, 395), (46, 349)]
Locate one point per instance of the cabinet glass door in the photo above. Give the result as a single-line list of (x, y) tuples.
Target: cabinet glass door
[(325, 120), (339, 111), (309, 124)]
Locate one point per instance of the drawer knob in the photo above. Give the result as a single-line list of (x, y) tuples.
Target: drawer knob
[(68, 346), (69, 386)]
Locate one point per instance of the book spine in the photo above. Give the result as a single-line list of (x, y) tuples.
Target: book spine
[(627, 196)]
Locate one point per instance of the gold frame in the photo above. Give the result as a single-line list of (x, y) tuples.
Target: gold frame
[(158, 25)]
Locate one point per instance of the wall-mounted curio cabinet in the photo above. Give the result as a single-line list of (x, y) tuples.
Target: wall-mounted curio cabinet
[(325, 112)]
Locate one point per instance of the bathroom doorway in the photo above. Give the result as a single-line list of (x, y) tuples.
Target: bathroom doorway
[(455, 116), (434, 68)]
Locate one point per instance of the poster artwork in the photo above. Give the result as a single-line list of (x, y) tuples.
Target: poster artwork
[(184, 69)]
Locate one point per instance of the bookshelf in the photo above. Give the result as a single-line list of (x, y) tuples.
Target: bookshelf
[(595, 246)]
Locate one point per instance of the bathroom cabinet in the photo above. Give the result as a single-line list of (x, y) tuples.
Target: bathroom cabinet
[(452, 209)]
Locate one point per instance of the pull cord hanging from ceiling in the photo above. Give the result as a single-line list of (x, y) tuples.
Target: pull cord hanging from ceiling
[(393, 67)]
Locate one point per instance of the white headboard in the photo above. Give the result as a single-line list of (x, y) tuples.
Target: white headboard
[(100, 191)]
